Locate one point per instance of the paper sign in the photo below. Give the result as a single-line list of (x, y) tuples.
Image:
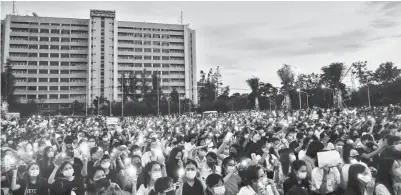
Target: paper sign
[(112, 120), (330, 158)]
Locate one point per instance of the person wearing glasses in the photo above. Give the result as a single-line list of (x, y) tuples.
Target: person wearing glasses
[(256, 182)]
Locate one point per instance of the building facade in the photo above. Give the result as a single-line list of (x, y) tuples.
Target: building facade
[(59, 60)]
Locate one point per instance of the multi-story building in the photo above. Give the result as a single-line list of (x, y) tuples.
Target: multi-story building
[(59, 60)]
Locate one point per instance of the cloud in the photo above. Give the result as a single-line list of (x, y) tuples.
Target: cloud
[(383, 23), (387, 8)]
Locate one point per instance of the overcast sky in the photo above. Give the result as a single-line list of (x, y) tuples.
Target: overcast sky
[(256, 38)]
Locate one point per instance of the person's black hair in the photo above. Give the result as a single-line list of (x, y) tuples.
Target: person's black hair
[(251, 175), (171, 163), (313, 148), (190, 161), (163, 184), (347, 153), (60, 169), (213, 179), (285, 160), (305, 142), (383, 175), (224, 164), (145, 172), (353, 181), (94, 150)]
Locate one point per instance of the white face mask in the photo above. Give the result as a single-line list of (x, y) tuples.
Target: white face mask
[(105, 165), (156, 175), (219, 190), (292, 158), (191, 174), (365, 178), (34, 173), (302, 175), (68, 173)]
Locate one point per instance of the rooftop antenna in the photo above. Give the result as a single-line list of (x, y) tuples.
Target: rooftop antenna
[(15, 11), (182, 18)]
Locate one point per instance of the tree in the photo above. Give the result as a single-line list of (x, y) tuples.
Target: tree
[(268, 95), (133, 86), (207, 86), (286, 74), (75, 107), (144, 83), (332, 77), (253, 83), (386, 72), (102, 102), (174, 95)]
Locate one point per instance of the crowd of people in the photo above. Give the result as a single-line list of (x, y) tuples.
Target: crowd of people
[(314, 151)]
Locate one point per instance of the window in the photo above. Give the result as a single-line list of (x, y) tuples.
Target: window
[(31, 97), (165, 65), (65, 55), (138, 50), (53, 88), (55, 47), (44, 55), (33, 38), (53, 96), (138, 64), (55, 39), (42, 88), (31, 88), (44, 38), (147, 42), (165, 73), (43, 96), (156, 57), (30, 71), (53, 71), (65, 47), (148, 50), (148, 65), (156, 50), (54, 55), (32, 55), (137, 42), (64, 72), (65, 39), (42, 79), (53, 80), (147, 57), (156, 43), (64, 88), (43, 63), (43, 71), (54, 63), (63, 96), (138, 57), (33, 46), (33, 63), (44, 47), (65, 80), (156, 65), (32, 80), (165, 58), (65, 63)]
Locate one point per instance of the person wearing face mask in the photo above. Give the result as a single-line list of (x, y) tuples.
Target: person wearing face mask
[(230, 175), (297, 177), (358, 178), (46, 162), (63, 180), (369, 152), (211, 166), (32, 183), (215, 185), (98, 184), (146, 181), (163, 186), (192, 185), (154, 153), (256, 183)]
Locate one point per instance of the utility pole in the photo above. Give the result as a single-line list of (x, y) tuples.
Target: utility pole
[(122, 95), (158, 95)]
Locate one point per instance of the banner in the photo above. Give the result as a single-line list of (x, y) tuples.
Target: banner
[(112, 121)]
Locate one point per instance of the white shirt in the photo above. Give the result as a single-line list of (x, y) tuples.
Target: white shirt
[(333, 179), (301, 154), (143, 191), (247, 190)]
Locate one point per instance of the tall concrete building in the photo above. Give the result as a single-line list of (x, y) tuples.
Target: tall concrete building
[(59, 60)]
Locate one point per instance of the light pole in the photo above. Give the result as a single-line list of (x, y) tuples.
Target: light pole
[(368, 94), (299, 96), (332, 90), (307, 97)]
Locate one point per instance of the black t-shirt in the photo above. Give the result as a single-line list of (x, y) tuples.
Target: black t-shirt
[(196, 189), (63, 186), (39, 188)]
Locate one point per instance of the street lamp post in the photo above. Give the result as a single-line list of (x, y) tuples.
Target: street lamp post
[(299, 96), (332, 90)]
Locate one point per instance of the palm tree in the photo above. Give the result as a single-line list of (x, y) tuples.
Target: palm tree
[(254, 85), (287, 76)]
